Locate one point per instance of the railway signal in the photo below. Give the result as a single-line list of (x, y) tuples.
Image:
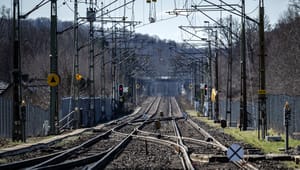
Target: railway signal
[(213, 95), (205, 89), (121, 90), (78, 77), (81, 83)]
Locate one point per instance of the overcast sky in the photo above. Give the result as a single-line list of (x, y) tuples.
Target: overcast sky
[(164, 27)]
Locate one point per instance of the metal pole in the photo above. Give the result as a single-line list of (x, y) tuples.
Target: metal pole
[(286, 136), (114, 58), (243, 97), (17, 131), (287, 118), (229, 76), (202, 90), (102, 80), (91, 19), (217, 78), (262, 82), (76, 66), (135, 91), (210, 80), (53, 69), (191, 88), (194, 66)]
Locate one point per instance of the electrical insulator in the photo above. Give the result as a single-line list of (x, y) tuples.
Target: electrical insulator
[(153, 0), (148, 1)]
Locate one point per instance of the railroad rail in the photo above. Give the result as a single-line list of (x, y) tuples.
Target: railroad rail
[(159, 123)]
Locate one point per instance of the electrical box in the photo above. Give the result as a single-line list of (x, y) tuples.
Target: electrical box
[(91, 15)]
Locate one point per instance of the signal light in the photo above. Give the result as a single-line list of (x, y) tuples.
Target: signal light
[(213, 95), (205, 89), (78, 77), (120, 90)]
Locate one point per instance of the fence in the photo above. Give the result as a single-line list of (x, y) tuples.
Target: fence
[(35, 118), (274, 106), (88, 117)]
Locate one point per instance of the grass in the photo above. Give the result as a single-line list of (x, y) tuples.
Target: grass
[(291, 165), (251, 136)]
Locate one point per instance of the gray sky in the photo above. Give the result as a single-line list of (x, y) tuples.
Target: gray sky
[(164, 28)]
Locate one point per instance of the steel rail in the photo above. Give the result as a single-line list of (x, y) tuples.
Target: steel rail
[(27, 163), (76, 163), (110, 155), (121, 146), (38, 160), (179, 148), (62, 157), (65, 155), (160, 119), (241, 164), (192, 140), (187, 162)]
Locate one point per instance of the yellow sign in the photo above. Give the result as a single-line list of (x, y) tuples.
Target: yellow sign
[(213, 95), (78, 76), (262, 92), (137, 86), (53, 79)]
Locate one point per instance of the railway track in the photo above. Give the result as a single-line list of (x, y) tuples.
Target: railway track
[(160, 135), (47, 161)]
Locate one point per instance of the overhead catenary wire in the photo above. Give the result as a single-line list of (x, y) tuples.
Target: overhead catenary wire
[(83, 21), (239, 13), (39, 5), (251, 12), (165, 19), (68, 6), (216, 21)]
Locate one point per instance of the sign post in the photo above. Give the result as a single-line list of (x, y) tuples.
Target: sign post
[(53, 70), (235, 153), (287, 118), (53, 80)]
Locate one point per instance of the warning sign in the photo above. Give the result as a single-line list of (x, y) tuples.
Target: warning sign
[(137, 86), (235, 153), (53, 80)]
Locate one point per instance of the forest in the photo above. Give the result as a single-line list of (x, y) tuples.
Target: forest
[(282, 42)]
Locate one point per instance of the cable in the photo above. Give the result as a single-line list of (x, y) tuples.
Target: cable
[(199, 2), (175, 5), (156, 21), (42, 3), (185, 4), (161, 9), (252, 10), (66, 3)]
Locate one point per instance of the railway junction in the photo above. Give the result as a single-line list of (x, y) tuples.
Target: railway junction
[(108, 97)]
